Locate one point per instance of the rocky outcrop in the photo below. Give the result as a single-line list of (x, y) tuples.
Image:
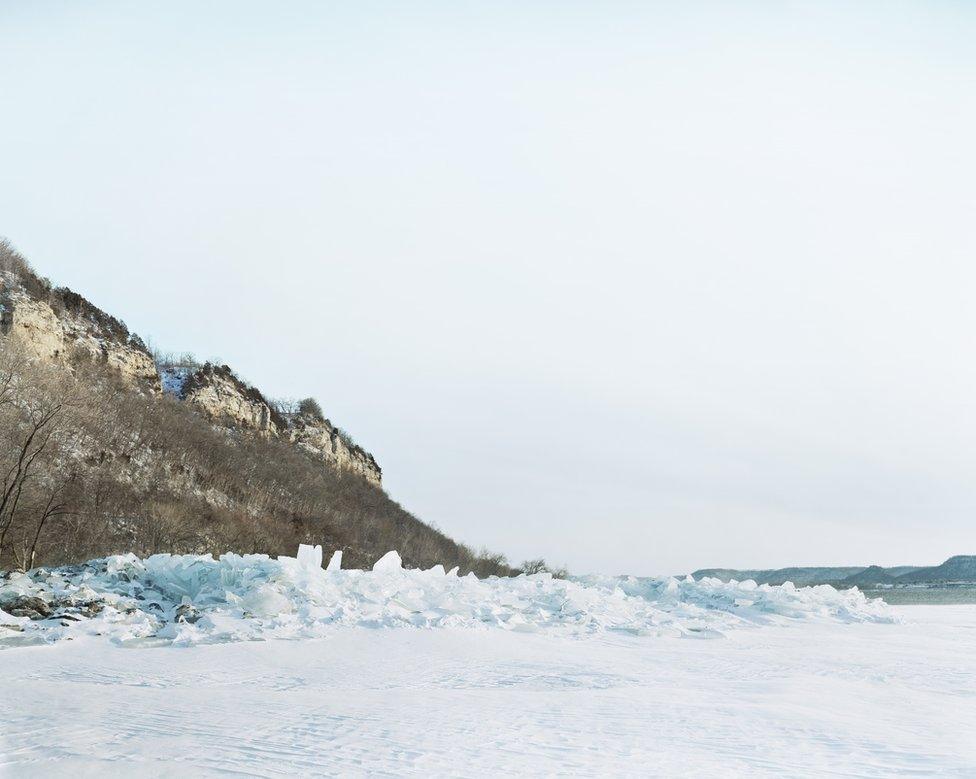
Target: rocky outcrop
[(75, 330), (322, 439), (58, 324), (220, 394), (35, 324), (224, 397)]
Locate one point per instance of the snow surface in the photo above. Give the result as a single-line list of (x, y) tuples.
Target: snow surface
[(804, 698), (174, 378), (188, 599)]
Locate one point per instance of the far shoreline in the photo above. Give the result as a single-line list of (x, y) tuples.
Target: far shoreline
[(934, 595)]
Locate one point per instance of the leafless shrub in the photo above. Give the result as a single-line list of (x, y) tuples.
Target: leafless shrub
[(539, 565), (310, 408), (169, 359), (11, 261)]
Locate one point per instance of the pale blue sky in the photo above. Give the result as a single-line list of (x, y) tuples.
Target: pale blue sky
[(637, 287)]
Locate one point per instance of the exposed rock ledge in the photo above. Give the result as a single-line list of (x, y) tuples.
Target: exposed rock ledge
[(216, 391), (72, 329), (219, 393), (72, 334), (322, 439)]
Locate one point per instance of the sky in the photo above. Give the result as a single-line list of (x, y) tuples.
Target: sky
[(637, 287)]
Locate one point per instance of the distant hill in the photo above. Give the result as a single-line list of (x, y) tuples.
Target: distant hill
[(804, 576), (961, 568), (901, 570), (873, 574)]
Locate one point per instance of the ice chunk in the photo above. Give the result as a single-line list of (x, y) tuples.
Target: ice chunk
[(266, 601), (11, 622), (309, 556), (335, 562), (389, 562)]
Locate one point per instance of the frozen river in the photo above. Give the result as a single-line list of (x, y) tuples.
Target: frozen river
[(806, 699)]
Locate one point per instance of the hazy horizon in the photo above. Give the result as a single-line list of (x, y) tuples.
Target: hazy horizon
[(664, 287)]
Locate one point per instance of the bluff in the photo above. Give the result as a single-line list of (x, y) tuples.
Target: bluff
[(57, 324), (219, 393), (108, 448)]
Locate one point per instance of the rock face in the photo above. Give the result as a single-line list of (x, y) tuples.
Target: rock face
[(216, 391), (220, 394), (60, 325), (322, 439), (76, 330), (35, 324)]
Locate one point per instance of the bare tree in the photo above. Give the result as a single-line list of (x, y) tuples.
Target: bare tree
[(35, 402), (55, 506)]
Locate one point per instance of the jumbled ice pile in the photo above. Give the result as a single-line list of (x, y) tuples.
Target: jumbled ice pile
[(190, 599)]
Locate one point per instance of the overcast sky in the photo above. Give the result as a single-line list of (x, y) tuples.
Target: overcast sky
[(636, 287)]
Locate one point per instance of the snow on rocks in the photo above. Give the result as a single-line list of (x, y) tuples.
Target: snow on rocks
[(190, 599), (173, 378)]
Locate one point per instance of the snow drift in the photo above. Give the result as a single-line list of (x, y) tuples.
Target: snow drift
[(190, 599)]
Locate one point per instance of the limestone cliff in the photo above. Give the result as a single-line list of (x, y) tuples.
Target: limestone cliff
[(58, 324), (61, 325), (224, 397), (322, 439), (216, 391)]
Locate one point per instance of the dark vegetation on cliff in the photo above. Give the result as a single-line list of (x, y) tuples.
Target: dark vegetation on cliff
[(91, 466)]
